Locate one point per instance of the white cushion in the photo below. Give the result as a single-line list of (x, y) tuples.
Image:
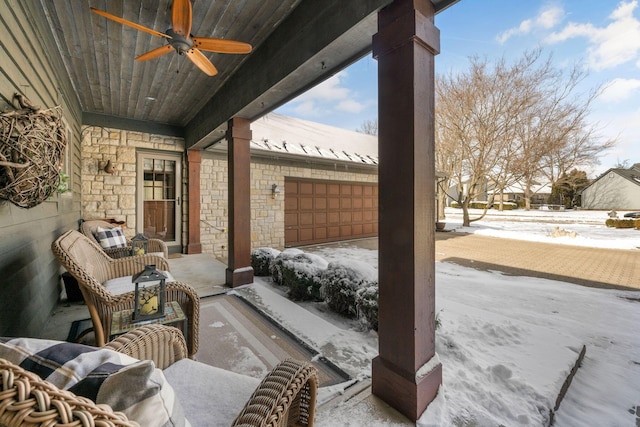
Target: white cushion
[(209, 396), (122, 285)]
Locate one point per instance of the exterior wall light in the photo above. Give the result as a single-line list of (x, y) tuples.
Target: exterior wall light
[(275, 190)]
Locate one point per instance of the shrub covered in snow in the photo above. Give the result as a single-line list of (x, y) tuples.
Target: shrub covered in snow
[(261, 260), (367, 305), (276, 266), (623, 223), (340, 282), (301, 274)]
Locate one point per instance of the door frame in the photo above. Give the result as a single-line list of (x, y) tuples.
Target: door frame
[(176, 244)]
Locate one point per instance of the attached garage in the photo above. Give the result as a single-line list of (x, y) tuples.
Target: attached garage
[(321, 211)]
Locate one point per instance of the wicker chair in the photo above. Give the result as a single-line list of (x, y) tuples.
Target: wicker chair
[(89, 229), (285, 397), (91, 267)]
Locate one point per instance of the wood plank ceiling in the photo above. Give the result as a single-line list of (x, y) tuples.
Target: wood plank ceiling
[(99, 53), (296, 44)]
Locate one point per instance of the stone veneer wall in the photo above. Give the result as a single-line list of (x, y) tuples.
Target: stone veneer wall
[(267, 213), (114, 196)]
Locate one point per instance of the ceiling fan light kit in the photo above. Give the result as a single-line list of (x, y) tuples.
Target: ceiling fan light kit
[(179, 38)]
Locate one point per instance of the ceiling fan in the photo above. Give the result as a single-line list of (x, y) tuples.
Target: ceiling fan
[(179, 38)]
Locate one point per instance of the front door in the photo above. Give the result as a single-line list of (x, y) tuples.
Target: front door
[(159, 197)]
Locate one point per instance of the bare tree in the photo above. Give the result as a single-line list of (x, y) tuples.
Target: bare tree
[(478, 113), (370, 127), (505, 123)]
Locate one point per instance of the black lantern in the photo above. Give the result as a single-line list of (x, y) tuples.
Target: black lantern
[(149, 294), (139, 245)]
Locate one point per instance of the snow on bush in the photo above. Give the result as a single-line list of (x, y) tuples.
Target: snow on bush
[(340, 282), (367, 305), (276, 266), (261, 260), (301, 274)]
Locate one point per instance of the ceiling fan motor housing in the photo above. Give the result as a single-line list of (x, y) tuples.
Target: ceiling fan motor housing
[(178, 42)]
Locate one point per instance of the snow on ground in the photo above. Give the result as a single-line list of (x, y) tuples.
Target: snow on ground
[(505, 344), (539, 225)]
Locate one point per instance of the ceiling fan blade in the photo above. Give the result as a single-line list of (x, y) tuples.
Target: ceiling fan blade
[(128, 23), (221, 45), (162, 50), (181, 16), (202, 62)]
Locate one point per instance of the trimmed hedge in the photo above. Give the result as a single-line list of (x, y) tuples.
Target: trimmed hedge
[(261, 260), (348, 289), (301, 274), (367, 306), (276, 266), (622, 223), (340, 283)]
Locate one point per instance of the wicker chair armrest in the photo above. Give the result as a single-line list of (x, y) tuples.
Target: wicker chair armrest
[(134, 264), (162, 344), (118, 252), (285, 397), (157, 245), (25, 396)]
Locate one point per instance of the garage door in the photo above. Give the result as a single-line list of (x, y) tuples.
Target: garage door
[(328, 211)]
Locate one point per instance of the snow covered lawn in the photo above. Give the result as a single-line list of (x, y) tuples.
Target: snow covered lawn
[(506, 344)]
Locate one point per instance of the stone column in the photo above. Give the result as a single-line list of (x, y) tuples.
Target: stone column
[(406, 373), (194, 159), (239, 271)]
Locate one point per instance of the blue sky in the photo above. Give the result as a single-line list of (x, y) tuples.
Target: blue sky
[(601, 35)]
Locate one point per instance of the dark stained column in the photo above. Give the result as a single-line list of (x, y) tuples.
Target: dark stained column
[(194, 159), (406, 373), (239, 271)]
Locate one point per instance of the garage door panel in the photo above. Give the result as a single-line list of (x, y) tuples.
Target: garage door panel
[(291, 219), (320, 204), (291, 235), (333, 217), (320, 218), (333, 203), (306, 219), (291, 203), (320, 233), (306, 234), (291, 187), (357, 216), (306, 203), (306, 187)]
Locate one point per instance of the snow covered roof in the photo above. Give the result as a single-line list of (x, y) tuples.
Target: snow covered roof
[(280, 134)]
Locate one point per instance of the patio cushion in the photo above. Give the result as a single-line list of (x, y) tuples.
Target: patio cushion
[(135, 388), (121, 285), (110, 238), (200, 386)]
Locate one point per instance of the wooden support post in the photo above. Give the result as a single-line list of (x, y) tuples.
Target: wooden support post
[(239, 271), (406, 373), (194, 160)]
